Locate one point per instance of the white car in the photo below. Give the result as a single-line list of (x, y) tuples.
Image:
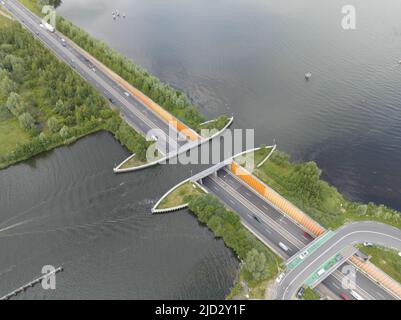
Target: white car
[(280, 277), (368, 244), (126, 93), (303, 254)]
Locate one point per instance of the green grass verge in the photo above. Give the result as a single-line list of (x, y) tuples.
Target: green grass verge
[(181, 195), (212, 127), (11, 134), (259, 156), (310, 294)]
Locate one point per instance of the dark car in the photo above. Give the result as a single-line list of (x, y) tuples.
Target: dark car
[(256, 218), (111, 100), (300, 292)]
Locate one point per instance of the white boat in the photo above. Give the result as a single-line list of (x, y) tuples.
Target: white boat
[(308, 75)]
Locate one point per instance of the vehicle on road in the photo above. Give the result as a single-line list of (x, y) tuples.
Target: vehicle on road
[(368, 244), (47, 26), (127, 94), (303, 254), (283, 246), (321, 272), (307, 235), (111, 100), (300, 292), (256, 218), (343, 296), (356, 295), (280, 277)]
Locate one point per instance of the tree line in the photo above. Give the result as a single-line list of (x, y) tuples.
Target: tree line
[(52, 103), (172, 100)]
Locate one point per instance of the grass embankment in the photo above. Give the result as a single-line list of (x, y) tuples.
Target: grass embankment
[(259, 156), (386, 259), (45, 104), (310, 294), (6, 15), (258, 263), (181, 195), (212, 127)]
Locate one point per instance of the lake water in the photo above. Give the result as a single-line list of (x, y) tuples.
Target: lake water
[(229, 56)]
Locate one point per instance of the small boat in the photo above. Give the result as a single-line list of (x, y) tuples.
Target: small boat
[(308, 75)]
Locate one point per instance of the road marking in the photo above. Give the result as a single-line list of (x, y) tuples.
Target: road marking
[(266, 219)]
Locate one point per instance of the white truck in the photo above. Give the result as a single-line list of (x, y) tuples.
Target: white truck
[(47, 26)]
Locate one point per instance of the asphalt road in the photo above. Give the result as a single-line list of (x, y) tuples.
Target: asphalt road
[(350, 234), (273, 227), (139, 116)]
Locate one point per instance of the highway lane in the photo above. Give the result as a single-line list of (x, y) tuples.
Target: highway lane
[(232, 192), (268, 235), (353, 233), (134, 111)]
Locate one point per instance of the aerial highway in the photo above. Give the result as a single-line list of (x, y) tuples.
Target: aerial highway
[(350, 234), (139, 116), (273, 228)]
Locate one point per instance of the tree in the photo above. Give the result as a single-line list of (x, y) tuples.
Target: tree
[(27, 121), (14, 104), (6, 86), (255, 264), (65, 132), (53, 124)]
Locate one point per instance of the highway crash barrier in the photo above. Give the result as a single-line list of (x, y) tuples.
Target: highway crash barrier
[(281, 203), (378, 275), (164, 114)]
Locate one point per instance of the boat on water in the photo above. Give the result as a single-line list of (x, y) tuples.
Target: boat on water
[(308, 75)]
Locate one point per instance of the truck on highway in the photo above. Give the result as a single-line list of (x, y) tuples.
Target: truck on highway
[(47, 26), (283, 246)]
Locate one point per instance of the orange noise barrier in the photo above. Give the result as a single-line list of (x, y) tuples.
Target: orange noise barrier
[(378, 275), (283, 204), (164, 114)]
